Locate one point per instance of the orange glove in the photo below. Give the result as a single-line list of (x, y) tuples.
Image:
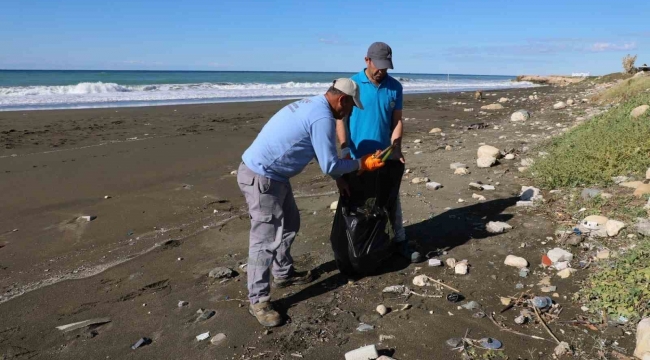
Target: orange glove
[(370, 162)]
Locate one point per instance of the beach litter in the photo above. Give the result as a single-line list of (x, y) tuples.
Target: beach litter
[(81, 324), (140, 343), (203, 336), (363, 353)]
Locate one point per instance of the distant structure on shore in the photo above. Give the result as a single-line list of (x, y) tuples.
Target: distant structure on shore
[(582, 74)]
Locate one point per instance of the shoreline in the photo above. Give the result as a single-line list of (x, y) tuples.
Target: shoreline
[(163, 103)]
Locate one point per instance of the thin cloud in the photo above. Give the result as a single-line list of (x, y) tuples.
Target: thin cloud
[(328, 41), (605, 46)]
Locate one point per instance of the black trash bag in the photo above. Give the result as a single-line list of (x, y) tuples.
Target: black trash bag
[(362, 233)]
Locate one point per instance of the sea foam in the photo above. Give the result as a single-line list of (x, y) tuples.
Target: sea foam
[(99, 94)]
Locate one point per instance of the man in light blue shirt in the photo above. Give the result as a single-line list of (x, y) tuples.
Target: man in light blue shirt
[(288, 142), (379, 124)]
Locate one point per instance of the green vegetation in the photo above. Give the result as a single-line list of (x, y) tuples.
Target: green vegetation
[(621, 287), (625, 90), (610, 144)]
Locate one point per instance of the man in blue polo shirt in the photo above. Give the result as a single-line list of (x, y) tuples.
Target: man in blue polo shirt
[(378, 125)]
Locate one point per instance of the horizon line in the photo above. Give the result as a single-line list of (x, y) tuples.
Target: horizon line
[(249, 71)]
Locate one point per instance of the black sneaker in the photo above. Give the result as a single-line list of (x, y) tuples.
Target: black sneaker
[(296, 278)]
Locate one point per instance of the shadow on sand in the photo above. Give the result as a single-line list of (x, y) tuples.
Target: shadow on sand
[(440, 233)]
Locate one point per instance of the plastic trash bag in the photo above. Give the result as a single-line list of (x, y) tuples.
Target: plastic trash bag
[(362, 234)]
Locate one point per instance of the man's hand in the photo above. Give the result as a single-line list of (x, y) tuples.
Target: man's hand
[(370, 162), (344, 188), (397, 154)]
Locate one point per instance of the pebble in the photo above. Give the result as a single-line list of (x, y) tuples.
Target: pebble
[(362, 353), (478, 197), (461, 268), (603, 254), (435, 130), (234, 172), (221, 272), (418, 180), (365, 327), (433, 185), (548, 289), (497, 227), (182, 303), (218, 339), (461, 171), (382, 310), (566, 273), (207, 314), (334, 205), (516, 261)]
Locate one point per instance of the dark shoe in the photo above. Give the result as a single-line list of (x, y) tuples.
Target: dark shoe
[(296, 278), (406, 251), (264, 313)]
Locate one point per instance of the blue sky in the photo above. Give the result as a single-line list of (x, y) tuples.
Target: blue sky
[(470, 37)]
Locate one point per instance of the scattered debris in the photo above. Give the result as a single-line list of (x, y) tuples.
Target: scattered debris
[(81, 324), (203, 336), (140, 343), (365, 327)]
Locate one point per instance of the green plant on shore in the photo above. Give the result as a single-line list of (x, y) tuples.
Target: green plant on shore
[(609, 145), (625, 90), (621, 287)]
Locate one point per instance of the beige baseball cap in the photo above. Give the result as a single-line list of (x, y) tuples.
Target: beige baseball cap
[(349, 87)]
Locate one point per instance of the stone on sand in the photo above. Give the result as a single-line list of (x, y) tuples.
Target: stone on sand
[(435, 131), (642, 350), (631, 184), (570, 102), (643, 226), (559, 105), (497, 227), (488, 151), (566, 273), (478, 197), (639, 111), (218, 339), (613, 227), (492, 107), (643, 189), (461, 171), (485, 162), (516, 261), (457, 165), (503, 99), (433, 185), (221, 272), (520, 115), (334, 205), (419, 180), (510, 157)]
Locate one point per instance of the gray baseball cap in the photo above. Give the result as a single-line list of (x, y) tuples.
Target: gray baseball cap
[(349, 87), (381, 55)]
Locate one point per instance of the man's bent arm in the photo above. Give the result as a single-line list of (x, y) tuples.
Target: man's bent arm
[(324, 143)]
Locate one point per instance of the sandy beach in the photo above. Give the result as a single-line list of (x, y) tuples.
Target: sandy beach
[(168, 210)]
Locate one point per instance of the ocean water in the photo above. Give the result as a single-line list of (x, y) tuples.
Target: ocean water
[(64, 89)]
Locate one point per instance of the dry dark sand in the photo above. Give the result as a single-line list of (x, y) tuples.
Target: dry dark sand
[(175, 212)]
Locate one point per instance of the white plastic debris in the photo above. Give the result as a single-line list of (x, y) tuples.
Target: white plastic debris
[(203, 336)]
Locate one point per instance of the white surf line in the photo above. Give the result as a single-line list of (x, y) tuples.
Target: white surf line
[(86, 147), (86, 273)]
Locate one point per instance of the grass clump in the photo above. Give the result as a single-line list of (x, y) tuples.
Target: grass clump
[(625, 90), (611, 144), (621, 287)]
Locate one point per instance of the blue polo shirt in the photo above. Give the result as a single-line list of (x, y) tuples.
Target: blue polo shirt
[(370, 128)]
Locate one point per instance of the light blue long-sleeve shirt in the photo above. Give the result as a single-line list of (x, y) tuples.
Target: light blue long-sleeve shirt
[(293, 137)]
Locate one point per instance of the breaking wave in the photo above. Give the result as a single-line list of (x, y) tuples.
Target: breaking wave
[(99, 94)]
